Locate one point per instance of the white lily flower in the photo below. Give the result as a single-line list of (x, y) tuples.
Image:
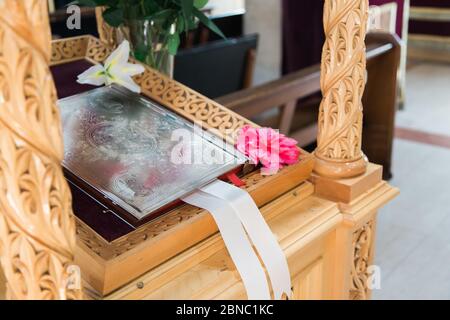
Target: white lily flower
[(117, 69)]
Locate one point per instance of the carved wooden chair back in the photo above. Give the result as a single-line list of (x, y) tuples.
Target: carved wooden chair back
[(197, 67)]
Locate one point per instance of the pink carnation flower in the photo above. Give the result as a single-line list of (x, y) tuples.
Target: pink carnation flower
[(268, 147)]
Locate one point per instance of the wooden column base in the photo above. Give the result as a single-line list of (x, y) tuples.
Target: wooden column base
[(345, 190), (338, 169)]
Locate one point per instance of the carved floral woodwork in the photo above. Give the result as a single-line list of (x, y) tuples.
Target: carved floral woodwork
[(363, 242), (106, 33), (343, 78), (37, 229)]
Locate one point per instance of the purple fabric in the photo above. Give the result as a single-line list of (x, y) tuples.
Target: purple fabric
[(91, 212), (303, 31), (65, 76), (430, 3), (433, 28), (302, 34)]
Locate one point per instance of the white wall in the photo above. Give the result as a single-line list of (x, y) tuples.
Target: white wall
[(264, 17), (220, 7)]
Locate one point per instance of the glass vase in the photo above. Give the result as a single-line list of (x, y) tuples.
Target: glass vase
[(149, 44)]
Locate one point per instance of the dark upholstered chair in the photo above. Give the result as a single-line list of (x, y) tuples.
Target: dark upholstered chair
[(219, 67)]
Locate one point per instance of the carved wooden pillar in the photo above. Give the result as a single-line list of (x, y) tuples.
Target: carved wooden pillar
[(37, 230), (343, 75), (106, 33), (363, 247)]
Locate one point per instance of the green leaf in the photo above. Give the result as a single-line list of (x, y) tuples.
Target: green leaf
[(187, 6), (134, 12), (200, 3), (181, 24), (173, 43), (141, 52), (207, 22), (161, 15), (151, 7), (113, 16)]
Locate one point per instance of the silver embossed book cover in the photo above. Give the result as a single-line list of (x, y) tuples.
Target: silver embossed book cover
[(136, 153)]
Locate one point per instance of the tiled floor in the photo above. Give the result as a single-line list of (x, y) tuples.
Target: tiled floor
[(413, 244), (427, 99)]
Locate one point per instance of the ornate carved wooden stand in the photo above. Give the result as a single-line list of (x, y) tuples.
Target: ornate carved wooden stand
[(325, 225), (37, 230), (338, 154)]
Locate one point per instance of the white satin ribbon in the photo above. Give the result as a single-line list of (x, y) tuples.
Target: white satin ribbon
[(259, 232), (233, 210), (237, 243)]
